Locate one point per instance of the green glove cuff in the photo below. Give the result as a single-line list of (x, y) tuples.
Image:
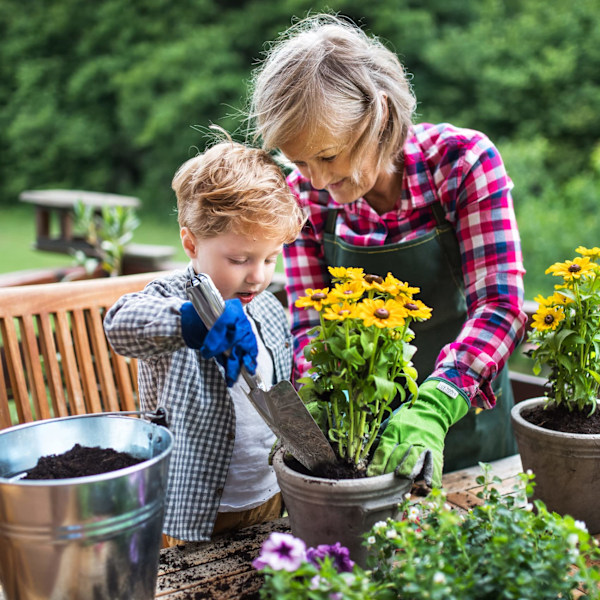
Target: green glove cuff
[(452, 402)]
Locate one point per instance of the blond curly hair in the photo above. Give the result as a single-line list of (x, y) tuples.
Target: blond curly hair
[(233, 188)]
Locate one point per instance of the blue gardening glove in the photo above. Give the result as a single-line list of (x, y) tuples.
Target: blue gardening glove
[(413, 441), (231, 332)]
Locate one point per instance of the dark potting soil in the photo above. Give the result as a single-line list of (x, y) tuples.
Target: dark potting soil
[(81, 461), (339, 470), (559, 418)]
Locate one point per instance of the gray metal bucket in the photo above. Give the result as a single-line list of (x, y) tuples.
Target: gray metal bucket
[(86, 538)]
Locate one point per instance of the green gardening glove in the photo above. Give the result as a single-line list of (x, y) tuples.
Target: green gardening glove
[(413, 441)]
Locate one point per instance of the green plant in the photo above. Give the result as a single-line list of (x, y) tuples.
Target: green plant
[(566, 333), (503, 549), (108, 234), (360, 355)]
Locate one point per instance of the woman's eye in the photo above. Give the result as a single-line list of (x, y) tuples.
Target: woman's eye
[(329, 158)]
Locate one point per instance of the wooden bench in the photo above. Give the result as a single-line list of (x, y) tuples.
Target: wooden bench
[(55, 359)]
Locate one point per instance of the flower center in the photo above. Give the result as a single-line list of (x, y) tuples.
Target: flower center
[(318, 296), (382, 313), (345, 311), (411, 306), (548, 319), (574, 268), (373, 279)]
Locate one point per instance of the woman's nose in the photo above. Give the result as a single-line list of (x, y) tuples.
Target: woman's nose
[(319, 178)]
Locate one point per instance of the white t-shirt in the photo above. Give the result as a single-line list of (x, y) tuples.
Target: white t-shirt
[(250, 480)]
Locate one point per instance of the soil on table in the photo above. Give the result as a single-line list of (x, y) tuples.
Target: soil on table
[(81, 461), (559, 418)]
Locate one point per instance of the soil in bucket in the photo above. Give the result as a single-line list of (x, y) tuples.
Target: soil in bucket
[(81, 461)]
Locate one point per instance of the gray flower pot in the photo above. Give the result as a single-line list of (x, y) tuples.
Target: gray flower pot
[(325, 511), (566, 467)]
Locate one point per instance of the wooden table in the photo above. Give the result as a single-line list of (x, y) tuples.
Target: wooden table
[(222, 569), (60, 205)]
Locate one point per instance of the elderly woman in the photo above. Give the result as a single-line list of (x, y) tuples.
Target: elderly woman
[(429, 203)]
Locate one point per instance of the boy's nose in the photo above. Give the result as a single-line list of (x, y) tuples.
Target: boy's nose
[(256, 275)]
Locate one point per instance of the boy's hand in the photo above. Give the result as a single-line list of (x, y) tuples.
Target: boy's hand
[(231, 332)]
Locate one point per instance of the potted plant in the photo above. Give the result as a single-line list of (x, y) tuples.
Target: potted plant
[(361, 361), (558, 435), (500, 549)]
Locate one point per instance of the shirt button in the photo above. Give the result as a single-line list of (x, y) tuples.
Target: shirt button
[(218, 491), (231, 436)]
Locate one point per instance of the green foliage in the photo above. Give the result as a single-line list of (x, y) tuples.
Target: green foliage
[(105, 96), (360, 356), (107, 233), (565, 333), (503, 549)]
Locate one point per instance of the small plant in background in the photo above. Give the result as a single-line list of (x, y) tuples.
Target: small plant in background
[(360, 355), (566, 333), (107, 233), (505, 549)]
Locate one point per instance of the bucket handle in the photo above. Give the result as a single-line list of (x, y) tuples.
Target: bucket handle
[(160, 416)]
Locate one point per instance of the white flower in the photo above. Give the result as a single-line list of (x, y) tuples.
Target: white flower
[(572, 539), (391, 534), (529, 472), (581, 525), (407, 496), (413, 513), (528, 507), (439, 578), (371, 540), (380, 525)]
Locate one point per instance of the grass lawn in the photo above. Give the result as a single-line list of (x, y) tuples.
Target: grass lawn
[(17, 234)]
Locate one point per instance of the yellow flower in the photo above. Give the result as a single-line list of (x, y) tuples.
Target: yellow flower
[(381, 313), (573, 269), (339, 312), (346, 274), (547, 317), (405, 289), (559, 298), (593, 253), (314, 299), (348, 290), (417, 309), (549, 301), (374, 282)]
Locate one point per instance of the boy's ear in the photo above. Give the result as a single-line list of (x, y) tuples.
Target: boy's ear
[(188, 241)]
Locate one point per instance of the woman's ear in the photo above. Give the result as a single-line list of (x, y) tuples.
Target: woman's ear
[(188, 241)]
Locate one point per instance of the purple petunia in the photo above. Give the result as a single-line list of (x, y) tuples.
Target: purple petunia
[(338, 553), (281, 551)]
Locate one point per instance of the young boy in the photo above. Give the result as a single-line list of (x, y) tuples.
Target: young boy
[(235, 212)]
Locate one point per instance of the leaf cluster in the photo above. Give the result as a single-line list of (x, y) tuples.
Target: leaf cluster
[(360, 355), (566, 333)]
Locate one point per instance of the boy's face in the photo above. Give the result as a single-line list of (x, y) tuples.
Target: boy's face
[(239, 265)]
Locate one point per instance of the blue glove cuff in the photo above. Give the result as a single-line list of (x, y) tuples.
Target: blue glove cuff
[(193, 329)]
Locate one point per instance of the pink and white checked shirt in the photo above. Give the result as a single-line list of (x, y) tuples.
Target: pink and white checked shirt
[(472, 185)]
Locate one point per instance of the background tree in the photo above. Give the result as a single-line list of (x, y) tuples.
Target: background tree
[(113, 96)]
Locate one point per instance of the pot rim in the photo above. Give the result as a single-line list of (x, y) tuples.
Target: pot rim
[(515, 414), (383, 480)]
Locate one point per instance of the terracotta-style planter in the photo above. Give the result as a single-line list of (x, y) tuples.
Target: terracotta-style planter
[(566, 467), (325, 511)]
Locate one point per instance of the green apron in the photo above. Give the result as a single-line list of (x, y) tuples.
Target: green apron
[(432, 263)]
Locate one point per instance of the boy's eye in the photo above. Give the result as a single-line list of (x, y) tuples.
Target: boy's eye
[(237, 261)]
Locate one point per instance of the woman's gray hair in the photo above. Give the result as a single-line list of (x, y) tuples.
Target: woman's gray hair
[(326, 72)]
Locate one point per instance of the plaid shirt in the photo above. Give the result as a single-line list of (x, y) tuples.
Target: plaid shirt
[(472, 186), (147, 326)]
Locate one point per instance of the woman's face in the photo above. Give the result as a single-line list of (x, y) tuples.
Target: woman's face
[(325, 160)]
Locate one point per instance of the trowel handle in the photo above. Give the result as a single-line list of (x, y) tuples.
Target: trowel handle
[(209, 305)]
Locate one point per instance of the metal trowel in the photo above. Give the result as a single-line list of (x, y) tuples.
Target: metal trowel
[(280, 406)]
